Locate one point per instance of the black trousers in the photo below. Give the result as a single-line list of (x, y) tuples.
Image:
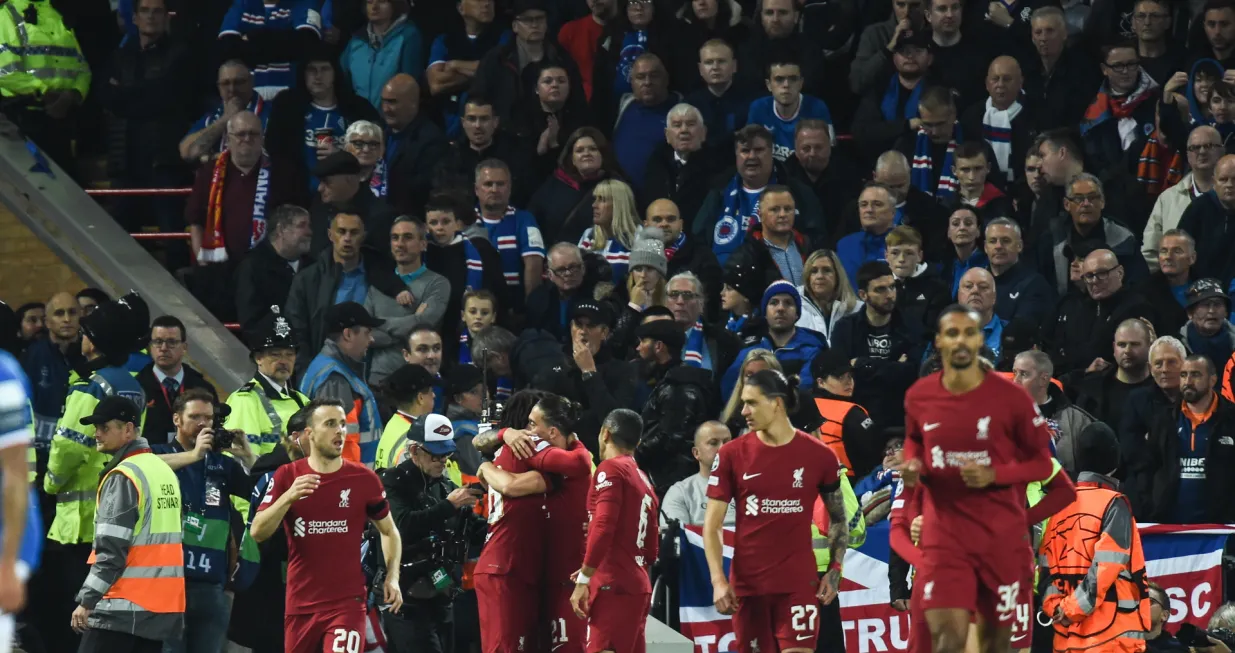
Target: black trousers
[(110, 641), (420, 627), (831, 634)]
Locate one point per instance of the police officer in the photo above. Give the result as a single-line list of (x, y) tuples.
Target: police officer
[(262, 406), (435, 519), (207, 479), (109, 335)]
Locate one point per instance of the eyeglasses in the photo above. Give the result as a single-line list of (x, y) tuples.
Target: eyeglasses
[(573, 268), (366, 145), (1203, 147), (1086, 199), (1123, 66), (683, 295), (1098, 276), (170, 344), (440, 459)]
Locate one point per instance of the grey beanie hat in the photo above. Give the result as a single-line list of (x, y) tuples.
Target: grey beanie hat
[(649, 250)]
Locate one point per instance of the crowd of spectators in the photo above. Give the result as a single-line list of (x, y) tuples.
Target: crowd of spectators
[(640, 203)]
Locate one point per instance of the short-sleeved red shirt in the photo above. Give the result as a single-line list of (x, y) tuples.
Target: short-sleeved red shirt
[(623, 538), (775, 489), (324, 532)]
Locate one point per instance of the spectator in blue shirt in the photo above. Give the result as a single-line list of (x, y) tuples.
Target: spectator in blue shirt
[(877, 211), (781, 111), (272, 35), (513, 231), (236, 94), (390, 44)]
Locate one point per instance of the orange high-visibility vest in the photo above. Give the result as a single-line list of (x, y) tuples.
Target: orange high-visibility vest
[(1227, 393), (1074, 544), (153, 576), (351, 440), (833, 412)]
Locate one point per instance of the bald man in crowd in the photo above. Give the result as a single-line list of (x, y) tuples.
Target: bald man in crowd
[(1002, 120), (1210, 220), (414, 145), (687, 500)]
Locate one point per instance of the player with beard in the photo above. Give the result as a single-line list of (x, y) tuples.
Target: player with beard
[(612, 588), (974, 440), (775, 473), (323, 503), (547, 457)]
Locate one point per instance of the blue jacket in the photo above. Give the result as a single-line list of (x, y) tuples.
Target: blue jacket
[(858, 248), (48, 371), (401, 51), (794, 357)]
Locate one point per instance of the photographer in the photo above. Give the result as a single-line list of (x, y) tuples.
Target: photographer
[(435, 519), (207, 480)]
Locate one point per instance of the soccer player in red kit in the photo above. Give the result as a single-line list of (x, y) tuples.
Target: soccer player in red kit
[(775, 473), (323, 502), (612, 588), (546, 458), (975, 439)]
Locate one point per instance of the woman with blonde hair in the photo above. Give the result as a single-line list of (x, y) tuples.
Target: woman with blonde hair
[(646, 286), (756, 360), (615, 219), (827, 295)]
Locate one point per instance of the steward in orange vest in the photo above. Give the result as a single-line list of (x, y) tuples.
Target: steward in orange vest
[(1097, 595), (135, 589), (838, 422)]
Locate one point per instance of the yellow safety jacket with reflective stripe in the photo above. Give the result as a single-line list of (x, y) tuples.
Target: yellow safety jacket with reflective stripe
[(857, 525), (41, 56), (392, 448), (153, 576), (262, 419)]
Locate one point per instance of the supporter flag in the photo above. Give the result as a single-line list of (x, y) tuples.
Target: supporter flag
[(1185, 560)]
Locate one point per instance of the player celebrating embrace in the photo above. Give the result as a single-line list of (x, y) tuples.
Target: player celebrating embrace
[(775, 473), (613, 587), (976, 440), (323, 502)]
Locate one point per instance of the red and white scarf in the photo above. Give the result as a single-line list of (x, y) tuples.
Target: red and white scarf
[(214, 247)]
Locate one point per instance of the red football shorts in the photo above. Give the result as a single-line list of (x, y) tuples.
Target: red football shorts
[(567, 632), (332, 630), (776, 622), (617, 622), (509, 613), (996, 586)]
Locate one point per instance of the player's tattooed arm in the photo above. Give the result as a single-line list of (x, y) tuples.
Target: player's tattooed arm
[(838, 524), (488, 441)]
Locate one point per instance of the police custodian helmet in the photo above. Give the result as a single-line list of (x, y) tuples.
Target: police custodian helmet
[(271, 332)]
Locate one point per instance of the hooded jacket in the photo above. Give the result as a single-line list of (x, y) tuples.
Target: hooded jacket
[(1167, 211), (683, 400), (794, 356), (1066, 421), (812, 317), (400, 50)]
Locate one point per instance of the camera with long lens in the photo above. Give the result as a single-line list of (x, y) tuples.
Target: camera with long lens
[(432, 566)]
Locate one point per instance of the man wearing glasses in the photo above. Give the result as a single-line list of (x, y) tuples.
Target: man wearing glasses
[(1088, 230), (167, 377), (548, 307), (1124, 110), (1086, 327), (1204, 149)]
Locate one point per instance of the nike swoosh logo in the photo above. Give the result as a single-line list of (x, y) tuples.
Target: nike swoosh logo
[(804, 637), (1018, 638), (747, 477), (930, 427)]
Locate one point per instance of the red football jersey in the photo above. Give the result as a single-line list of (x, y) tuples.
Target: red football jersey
[(324, 532), (775, 489), (623, 539), (995, 424), (567, 508)]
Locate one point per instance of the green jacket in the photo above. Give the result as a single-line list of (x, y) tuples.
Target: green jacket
[(74, 465)]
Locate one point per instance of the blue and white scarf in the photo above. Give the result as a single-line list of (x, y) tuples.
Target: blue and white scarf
[(692, 352), (735, 323), (741, 213), (614, 252), (997, 130), (507, 241), (924, 166), (504, 386), (890, 101), (475, 267)]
